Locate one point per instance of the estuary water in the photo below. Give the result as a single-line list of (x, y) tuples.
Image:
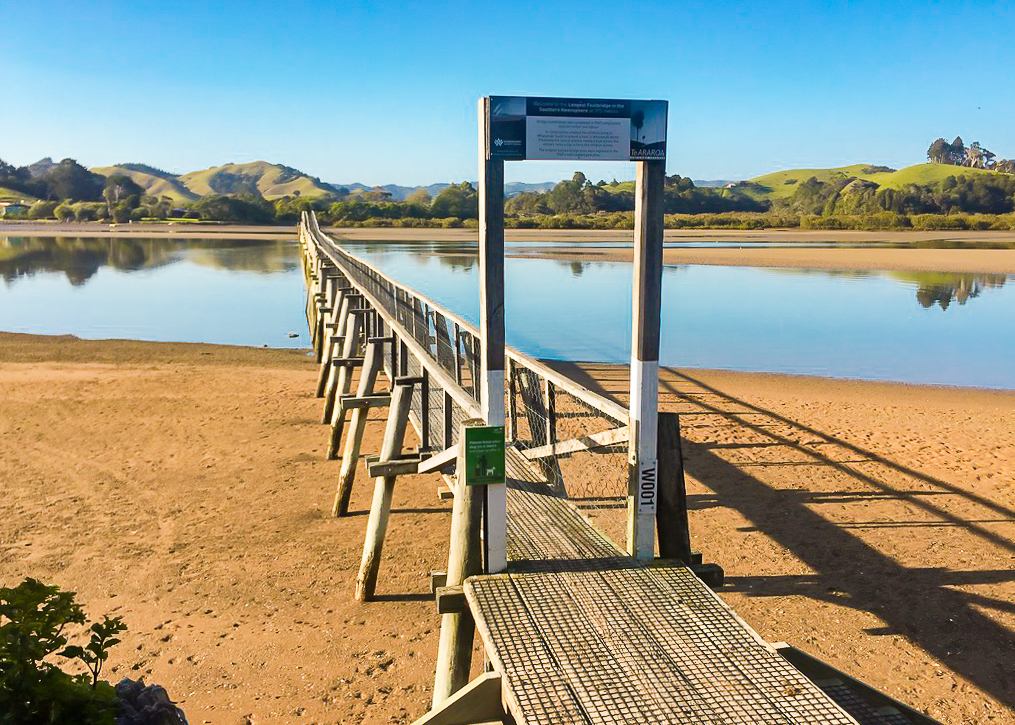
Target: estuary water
[(947, 329)]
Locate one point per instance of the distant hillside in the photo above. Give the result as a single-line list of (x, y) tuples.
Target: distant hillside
[(154, 181), (782, 184), (41, 167), (401, 193), (270, 180), (12, 195)]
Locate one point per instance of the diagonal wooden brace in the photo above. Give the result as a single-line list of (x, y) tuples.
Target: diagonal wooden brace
[(384, 486), (360, 407)]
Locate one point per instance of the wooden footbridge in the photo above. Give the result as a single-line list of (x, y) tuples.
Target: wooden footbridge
[(575, 630)]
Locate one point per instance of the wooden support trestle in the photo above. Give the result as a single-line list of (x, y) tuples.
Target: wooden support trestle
[(342, 374), (324, 377), (384, 486), (363, 402), (331, 337)]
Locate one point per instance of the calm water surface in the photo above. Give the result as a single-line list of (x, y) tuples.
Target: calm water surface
[(952, 329), (945, 329), (236, 292)]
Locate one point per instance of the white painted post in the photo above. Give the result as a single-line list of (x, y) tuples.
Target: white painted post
[(643, 490), (491, 300)]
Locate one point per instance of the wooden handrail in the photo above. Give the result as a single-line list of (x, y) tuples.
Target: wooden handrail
[(594, 400)]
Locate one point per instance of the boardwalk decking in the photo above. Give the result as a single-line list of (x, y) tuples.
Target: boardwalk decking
[(576, 630), (581, 633)]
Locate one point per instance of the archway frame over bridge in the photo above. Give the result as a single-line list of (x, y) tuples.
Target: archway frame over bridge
[(520, 128)]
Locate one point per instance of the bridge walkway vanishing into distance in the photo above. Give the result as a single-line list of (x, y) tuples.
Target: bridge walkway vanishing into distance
[(576, 630)]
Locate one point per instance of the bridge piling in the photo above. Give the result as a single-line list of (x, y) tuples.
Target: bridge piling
[(330, 341), (454, 653), (343, 380), (329, 372), (384, 486), (357, 425)]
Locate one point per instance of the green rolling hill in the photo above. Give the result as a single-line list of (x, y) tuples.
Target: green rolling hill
[(782, 184), (12, 195), (153, 181), (270, 180)]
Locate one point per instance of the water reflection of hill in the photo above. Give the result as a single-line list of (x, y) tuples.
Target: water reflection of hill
[(943, 288), (932, 288), (81, 258)]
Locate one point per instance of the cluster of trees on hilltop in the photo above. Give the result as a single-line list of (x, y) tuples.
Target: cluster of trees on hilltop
[(68, 190), (976, 193), (580, 196), (975, 155)]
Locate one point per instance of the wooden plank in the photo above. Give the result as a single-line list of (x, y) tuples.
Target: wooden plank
[(573, 445), (357, 402), (601, 636), (398, 467), (671, 518), (608, 684), (450, 600), (477, 702), (436, 462)]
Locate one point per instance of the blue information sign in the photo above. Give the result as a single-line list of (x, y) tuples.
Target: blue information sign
[(581, 129)]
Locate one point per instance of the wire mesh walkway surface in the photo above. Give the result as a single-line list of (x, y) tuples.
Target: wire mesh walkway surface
[(582, 633)]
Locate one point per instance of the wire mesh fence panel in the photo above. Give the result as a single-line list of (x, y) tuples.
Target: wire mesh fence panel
[(435, 409), (569, 442), (445, 354)]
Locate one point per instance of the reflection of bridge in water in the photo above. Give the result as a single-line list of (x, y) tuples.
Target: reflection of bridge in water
[(576, 630)]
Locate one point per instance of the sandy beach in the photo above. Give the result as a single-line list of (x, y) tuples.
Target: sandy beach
[(185, 488)]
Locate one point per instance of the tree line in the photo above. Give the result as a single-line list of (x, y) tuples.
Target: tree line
[(974, 156), (69, 192)]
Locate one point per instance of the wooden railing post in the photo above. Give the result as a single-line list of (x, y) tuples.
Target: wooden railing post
[(491, 316), (642, 498)]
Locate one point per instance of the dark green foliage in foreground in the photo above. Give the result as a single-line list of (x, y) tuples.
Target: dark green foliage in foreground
[(33, 620)]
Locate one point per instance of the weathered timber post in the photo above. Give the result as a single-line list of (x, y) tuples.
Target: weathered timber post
[(344, 378), (358, 423), (671, 517), (642, 498), (491, 315), (340, 308), (384, 486), (339, 337), (324, 309), (454, 653)]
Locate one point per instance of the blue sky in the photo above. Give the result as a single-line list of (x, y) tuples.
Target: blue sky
[(386, 92)]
